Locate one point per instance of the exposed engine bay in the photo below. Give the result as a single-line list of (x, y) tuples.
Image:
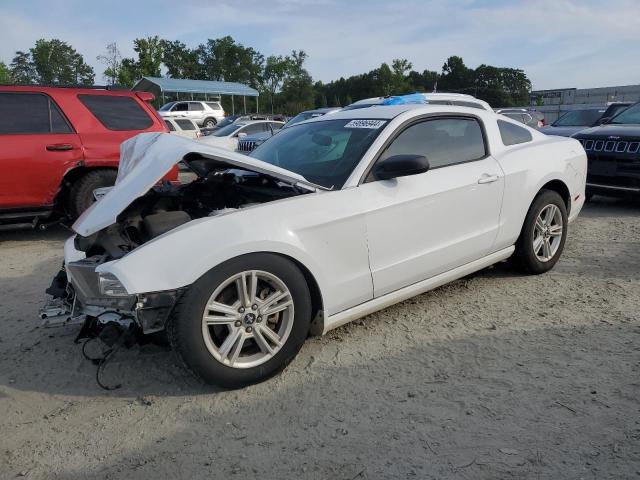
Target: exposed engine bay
[(165, 207), (79, 295)]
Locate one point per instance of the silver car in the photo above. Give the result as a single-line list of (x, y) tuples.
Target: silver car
[(204, 114)]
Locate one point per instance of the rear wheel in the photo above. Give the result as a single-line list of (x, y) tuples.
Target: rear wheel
[(81, 193), (543, 234), (243, 321), (209, 122)]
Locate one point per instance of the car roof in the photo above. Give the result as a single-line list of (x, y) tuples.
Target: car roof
[(387, 112)]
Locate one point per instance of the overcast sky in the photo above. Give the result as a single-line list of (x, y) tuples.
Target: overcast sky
[(558, 43)]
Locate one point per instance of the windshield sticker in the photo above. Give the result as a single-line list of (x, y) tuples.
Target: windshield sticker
[(365, 124)]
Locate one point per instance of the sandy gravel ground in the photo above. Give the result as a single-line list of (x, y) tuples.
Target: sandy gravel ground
[(495, 376)]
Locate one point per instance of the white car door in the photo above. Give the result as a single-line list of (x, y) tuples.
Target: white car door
[(422, 225)]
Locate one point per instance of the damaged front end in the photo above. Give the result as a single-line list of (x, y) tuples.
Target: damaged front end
[(136, 211)]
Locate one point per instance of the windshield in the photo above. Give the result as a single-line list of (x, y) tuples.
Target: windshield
[(301, 117), (579, 118), (227, 121), (228, 130), (629, 116), (324, 152), (166, 107)]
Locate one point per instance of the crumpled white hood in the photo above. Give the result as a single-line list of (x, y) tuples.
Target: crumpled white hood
[(146, 158)]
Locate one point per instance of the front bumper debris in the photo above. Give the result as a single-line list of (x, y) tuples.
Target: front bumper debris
[(78, 300)]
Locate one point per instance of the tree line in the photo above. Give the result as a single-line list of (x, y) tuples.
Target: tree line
[(282, 80)]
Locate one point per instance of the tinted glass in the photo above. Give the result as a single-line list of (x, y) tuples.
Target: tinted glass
[(275, 126), (227, 130), (301, 117), (28, 113), (616, 109), (214, 105), (227, 121), (181, 107), (324, 152), (579, 118), (629, 116), (195, 106), (513, 134), (167, 107), (116, 112), (444, 142), (255, 128), (170, 125), (185, 124), (58, 123)]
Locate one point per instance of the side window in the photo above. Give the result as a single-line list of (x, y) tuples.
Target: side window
[(513, 134), (275, 126), (254, 128), (214, 105), (170, 126), (195, 107), (445, 141), (185, 124), (43, 115), (117, 112), (180, 107)]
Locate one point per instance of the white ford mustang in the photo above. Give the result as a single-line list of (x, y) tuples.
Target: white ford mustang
[(328, 221)]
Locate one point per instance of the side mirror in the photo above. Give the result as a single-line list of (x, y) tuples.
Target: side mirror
[(400, 166), (605, 120), (241, 134)]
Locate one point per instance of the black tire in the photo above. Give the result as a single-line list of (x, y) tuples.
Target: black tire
[(524, 257), (81, 193), (185, 325), (209, 122)]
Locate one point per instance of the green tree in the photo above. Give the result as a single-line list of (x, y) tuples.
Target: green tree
[(456, 77), (112, 60), (180, 60), (297, 88), (5, 74), (150, 55), (22, 69), (129, 72), (224, 59), (57, 63), (275, 71)]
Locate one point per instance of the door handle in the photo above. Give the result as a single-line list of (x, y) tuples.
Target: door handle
[(486, 178), (60, 147)]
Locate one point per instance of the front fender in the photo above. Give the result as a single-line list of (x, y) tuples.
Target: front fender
[(179, 258)]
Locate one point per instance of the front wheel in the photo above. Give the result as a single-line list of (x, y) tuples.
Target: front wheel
[(543, 234), (81, 193), (243, 321)]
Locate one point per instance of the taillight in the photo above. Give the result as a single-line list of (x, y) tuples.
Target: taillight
[(540, 123)]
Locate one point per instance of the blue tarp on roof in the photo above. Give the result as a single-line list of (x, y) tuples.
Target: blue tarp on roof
[(179, 85)]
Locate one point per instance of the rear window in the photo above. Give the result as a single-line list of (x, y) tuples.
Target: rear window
[(30, 113), (185, 124), (214, 105), (170, 126), (117, 112), (513, 134)]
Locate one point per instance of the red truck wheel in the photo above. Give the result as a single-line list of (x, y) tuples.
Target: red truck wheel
[(81, 193)]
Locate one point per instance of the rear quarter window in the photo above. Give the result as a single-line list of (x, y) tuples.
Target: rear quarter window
[(117, 112), (513, 134), (185, 124)]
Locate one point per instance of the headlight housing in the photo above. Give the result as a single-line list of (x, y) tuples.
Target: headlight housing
[(110, 286)]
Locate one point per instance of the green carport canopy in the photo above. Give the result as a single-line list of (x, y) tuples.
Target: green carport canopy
[(161, 86)]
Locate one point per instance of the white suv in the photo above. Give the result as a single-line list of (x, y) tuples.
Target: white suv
[(204, 114)]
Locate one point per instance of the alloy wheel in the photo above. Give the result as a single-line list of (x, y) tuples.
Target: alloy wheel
[(248, 319), (547, 233)]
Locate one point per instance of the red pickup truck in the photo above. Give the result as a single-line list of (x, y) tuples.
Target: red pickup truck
[(59, 144)]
